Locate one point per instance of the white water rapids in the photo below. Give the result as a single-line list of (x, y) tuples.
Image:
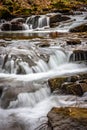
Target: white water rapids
[(29, 110)]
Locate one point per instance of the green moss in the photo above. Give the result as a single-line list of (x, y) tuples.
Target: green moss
[(26, 11), (35, 8), (4, 12), (7, 2), (59, 5)]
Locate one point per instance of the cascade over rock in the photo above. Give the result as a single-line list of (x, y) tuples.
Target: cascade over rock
[(8, 95), (38, 21), (41, 68), (78, 55)]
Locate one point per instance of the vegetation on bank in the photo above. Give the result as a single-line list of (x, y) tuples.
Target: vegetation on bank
[(14, 8)]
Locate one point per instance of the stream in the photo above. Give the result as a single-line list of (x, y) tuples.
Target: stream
[(28, 58)]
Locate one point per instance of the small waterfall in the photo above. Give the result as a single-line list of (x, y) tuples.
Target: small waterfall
[(25, 67), (43, 22), (59, 57), (25, 26), (12, 66), (41, 66), (78, 55), (30, 99), (38, 22), (18, 65)]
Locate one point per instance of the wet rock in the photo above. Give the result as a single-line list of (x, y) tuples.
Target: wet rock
[(73, 42), (76, 85), (17, 24), (55, 19), (80, 28), (13, 25), (3, 44), (78, 55), (69, 118), (72, 88), (46, 44), (66, 11), (83, 84), (1, 90), (6, 26), (85, 18), (56, 83), (83, 76), (17, 20), (10, 92)]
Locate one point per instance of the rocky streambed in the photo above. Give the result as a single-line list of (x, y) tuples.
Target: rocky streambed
[(43, 73)]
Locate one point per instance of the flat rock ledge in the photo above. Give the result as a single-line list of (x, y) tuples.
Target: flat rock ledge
[(69, 118)]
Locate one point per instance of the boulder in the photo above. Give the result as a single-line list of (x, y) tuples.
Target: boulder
[(73, 42), (76, 85), (69, 118), (13, 25), (83, 84), (72, 88), (80, 28), (56, 18), (46, 44), (6, 26), (55, 83)]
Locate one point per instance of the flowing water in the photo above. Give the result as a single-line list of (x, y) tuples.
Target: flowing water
[(24, 64)]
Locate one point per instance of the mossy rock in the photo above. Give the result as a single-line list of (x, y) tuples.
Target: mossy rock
[(4, 13), (69, 118), (76, 85), (72, 88), (55, 83)]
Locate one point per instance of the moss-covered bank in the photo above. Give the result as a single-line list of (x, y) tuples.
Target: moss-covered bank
[(14, 8)]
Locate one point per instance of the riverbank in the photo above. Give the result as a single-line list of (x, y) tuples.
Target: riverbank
[(10, 9)]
